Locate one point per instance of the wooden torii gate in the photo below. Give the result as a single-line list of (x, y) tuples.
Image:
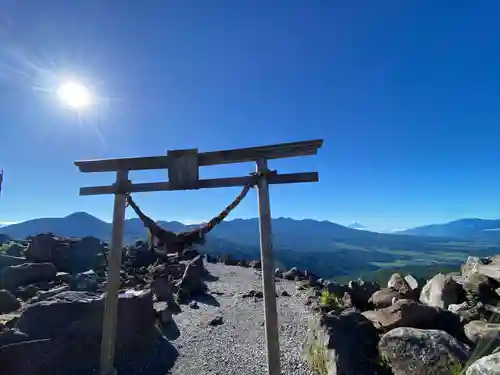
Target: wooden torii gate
[(183, 174)]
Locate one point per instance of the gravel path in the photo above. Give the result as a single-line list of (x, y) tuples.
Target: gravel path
[(238, 345)]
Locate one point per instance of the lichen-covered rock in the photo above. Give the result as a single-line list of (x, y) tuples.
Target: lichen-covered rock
[(489, 365), (418, 351), (441, 291), (14, 248)]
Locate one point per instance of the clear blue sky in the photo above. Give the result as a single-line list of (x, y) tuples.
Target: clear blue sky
[(406, 95)]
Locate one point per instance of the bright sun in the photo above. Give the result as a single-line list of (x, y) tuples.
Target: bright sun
[(74, 94)]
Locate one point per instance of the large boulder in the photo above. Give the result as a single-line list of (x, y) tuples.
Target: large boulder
[(27, 273), (386, 296), (7, 260), (341, 344), (192, 280), (360, 292), (441, 291), (8, 302), (413, 282), (12, 336), (65, 332), (489, 365), (485, 335), (4, 239), (87, 281), (139, 255), (292, 274), (228, 260), (67, 254), (255, 264), (399, 283), (479, 272), (403, 313), (418, 351)]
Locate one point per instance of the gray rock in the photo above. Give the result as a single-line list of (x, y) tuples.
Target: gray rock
[(163, 313), (292, 273), (27, 273), (455, 308), (398, 282), (441, 291), (192, 280), (341, 343), (278, 273), (162, 288), (412, 282), (216, 321), (256, 264), (360, 292), (404, 313), (65, 332), (418, 351), (50, 293), (8, 302), (385, 297), (489, 365), (477, 271), (485, 335), (6, 261), (87, 281), (12, 336), (67, 254)]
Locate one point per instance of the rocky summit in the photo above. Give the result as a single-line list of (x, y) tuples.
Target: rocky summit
[(189, 313)]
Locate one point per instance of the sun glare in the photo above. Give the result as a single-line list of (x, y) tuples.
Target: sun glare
[(74, 95)]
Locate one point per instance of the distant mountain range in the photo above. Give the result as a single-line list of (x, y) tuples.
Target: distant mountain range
[(321, 246), (468, 229)]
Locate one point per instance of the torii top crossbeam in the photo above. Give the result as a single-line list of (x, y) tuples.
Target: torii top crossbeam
[(240, 155)]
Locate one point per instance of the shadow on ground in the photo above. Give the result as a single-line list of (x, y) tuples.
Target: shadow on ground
[(206, 299), (171, 330), (159, 361), (207, 276)]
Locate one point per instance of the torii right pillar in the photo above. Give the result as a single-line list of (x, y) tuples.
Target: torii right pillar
[(268, 284)]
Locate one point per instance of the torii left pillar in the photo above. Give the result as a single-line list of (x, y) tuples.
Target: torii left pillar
[(114, 265)]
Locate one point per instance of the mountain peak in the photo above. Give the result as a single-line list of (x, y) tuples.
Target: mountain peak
[(356, 225)]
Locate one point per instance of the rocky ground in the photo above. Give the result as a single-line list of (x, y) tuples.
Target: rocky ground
[(192, 314), (237, 346)]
